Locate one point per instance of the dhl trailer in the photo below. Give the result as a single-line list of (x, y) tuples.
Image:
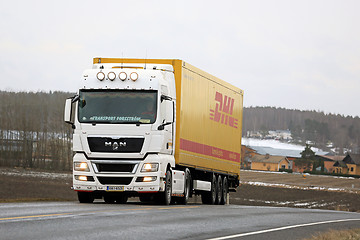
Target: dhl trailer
[(158, 129)]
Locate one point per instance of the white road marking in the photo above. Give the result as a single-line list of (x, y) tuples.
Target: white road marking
[(282, 228)]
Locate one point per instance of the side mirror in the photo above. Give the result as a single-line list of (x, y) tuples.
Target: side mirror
[(167, 114), (68, 111), (169, 111)]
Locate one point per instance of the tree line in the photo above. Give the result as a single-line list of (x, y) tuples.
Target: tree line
[(317, 127), (32, 131)]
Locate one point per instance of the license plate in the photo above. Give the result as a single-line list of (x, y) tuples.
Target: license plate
[(118, 189)]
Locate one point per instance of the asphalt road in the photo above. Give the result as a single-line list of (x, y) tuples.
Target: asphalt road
[(72, 220)]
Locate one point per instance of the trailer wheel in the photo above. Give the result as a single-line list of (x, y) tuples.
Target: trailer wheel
[(187, 188), (168, 188), (210, 197), (85, 197), (219, 190), (213, 190), (225, 191)]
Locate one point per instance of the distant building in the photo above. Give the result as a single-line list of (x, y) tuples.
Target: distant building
[(280, 135), (269, 163), (246, 154), (329, 162), (349, 165)]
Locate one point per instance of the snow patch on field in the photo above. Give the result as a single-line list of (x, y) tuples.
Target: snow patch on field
[(271, 143), (296, 173), (29, 173), (318, 188), (292, 203)]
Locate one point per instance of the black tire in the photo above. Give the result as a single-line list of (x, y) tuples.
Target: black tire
[(210, 197), (225, 191), (219, 191), (187, 188), (121, 199), (85, 197), (167, 194)]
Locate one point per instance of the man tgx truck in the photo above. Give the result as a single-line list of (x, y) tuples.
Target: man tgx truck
[(159, 129)]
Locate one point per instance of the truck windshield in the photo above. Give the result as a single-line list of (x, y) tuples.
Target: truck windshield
[(122, 106)]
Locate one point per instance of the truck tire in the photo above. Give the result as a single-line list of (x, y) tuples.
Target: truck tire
[(225, 191), (187, 188), (85, 197), (166, 195), (210, 197), (219, 191)]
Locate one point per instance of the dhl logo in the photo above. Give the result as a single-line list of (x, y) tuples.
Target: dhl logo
[(223, 111)]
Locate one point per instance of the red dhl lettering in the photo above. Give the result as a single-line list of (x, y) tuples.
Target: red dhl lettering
[(223, 111)]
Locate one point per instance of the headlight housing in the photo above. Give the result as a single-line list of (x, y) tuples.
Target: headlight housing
[(84, 178), (150, 167), (146, 179), (81, 166)]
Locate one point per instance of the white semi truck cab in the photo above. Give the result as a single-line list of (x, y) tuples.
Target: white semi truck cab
[(124, 121)]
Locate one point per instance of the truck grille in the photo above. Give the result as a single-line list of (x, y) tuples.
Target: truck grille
[(115, 180), (118, 168), (119, 145)]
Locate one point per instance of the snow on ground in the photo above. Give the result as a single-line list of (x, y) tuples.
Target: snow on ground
[(317, 188), (293, 203), (270, 143), (276, 144), (29, 173), (296, 173)]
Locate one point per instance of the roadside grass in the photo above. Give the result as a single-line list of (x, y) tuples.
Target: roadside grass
[(353, 234)]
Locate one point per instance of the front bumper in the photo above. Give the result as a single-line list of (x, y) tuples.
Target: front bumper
[(155, 186), (118, 175)]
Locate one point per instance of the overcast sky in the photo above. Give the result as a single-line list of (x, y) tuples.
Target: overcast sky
[(293, 54)]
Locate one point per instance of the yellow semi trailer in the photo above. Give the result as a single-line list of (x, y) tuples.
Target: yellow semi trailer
[(189, 145)]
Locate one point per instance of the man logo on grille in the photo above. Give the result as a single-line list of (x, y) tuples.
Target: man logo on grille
[(115, 145)]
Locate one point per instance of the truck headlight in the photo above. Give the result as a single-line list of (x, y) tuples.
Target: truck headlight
[(84, 178), (150, 167), (146, 179), (81, 166)]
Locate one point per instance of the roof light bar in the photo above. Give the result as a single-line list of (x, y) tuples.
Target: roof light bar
[(111, 76), (122, 76), (100, 76), (134, 76)]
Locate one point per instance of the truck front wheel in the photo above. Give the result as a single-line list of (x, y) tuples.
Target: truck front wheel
[(85, 197), (168, 188), (187, 187)]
